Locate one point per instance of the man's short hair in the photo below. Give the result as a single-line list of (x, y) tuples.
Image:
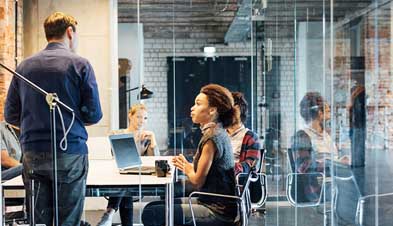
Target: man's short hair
[(56, 24)]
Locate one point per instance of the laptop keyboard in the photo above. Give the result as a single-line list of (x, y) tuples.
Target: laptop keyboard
[(143, 168), (137, 170)]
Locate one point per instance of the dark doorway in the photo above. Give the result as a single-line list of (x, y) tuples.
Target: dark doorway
[(191, 73)]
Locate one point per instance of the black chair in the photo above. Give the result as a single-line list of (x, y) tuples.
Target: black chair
[(296, 183), (376, 206), (243, 197), (258, 189)]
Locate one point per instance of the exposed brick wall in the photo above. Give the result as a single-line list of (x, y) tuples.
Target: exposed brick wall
[(378, 50), (7, 43)]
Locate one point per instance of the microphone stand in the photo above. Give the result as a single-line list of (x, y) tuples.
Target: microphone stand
[(52, 101)]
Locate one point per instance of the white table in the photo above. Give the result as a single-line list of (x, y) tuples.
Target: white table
[(105, 174)]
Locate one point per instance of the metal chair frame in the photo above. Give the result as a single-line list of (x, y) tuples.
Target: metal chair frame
[(243, 199), (263, 178), (291, 180), (362, 201)]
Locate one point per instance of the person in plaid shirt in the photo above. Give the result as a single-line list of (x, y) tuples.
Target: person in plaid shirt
[(312, 145), (245, 143)]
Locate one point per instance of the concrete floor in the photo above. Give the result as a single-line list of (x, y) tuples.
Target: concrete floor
[(277, 213)]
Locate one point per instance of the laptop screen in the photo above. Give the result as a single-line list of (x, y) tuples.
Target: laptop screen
[(125, 151)]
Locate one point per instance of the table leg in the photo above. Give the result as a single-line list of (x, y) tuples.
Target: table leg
[(169, 204)]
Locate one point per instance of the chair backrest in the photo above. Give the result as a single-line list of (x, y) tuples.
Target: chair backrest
[(374, 209), (245, 208), (297, 182), (291, 160), (258, 189), (345, 198), (251, 176), (263, 153), (242, 198)]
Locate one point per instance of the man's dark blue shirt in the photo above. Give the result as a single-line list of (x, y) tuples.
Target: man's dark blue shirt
[(56, 70)]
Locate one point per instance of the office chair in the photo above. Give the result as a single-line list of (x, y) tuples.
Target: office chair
[(243, 197), (258, 189), (367, 204), (343, 191), (295, 185)]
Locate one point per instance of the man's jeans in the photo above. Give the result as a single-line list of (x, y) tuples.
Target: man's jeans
[(71, 177)]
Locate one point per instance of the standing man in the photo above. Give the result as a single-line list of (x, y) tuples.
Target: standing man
[(56, 69)]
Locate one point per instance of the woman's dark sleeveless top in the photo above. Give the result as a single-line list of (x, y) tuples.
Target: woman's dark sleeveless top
[(221, 176)]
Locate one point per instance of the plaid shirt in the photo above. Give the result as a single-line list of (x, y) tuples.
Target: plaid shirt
[(249, 152)]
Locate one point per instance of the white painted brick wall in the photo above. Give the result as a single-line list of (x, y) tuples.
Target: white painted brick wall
[(156, 51), (155, 74)]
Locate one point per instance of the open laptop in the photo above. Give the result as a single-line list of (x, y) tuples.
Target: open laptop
[(127, 156)]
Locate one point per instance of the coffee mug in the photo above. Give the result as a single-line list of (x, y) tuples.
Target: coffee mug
[(162, 168)]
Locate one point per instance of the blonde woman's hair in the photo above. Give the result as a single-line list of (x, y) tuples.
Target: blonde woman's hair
[(136, 107)]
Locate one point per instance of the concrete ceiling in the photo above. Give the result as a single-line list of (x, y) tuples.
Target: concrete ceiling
[(185, 19), (214, 18)]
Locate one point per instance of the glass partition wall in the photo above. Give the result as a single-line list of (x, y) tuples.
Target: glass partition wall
[(182, 46), (316, 76), (361, 71), (334, 98)]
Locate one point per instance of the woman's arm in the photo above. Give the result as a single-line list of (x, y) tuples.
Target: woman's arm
[(198, 178), (151, 143), (7, 161)]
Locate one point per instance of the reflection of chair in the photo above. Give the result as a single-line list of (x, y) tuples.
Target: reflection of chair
[(345, 192), (272, 156), (258, 189), (243, 198), (378, 209), (296, 184)]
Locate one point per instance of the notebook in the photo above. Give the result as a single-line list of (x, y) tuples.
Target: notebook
[(127, 156)]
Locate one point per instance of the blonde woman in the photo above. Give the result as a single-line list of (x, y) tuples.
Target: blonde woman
[(145, 140), (147, 146)]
